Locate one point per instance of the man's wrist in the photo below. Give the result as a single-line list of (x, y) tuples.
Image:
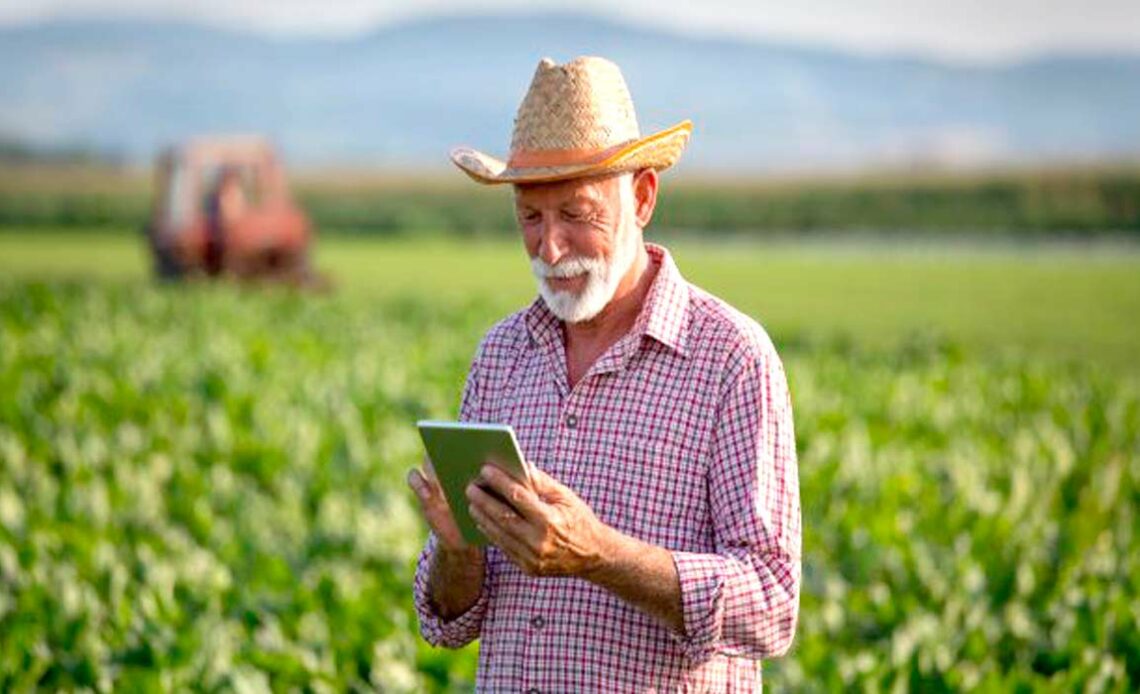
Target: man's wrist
[(640, 573), (612, 549), (459, 557), (455, 580)]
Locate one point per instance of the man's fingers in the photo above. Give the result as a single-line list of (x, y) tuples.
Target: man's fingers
[(502, 531), (503, 517), (518, 494), (479, 499), (425, 487), (429, 471), (435, 509), (417, 483)]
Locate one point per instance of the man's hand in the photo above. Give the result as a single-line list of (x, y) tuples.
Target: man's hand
[(455, 578), (549, 531), (552, 532), (434, 507)]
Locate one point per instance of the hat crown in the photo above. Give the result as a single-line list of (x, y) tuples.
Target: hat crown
[(583, 105)]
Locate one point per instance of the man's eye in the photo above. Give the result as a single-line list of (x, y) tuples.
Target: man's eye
[(575, 216), (529, 217)]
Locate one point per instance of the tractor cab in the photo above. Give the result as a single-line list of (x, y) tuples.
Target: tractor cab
[(222, 208)]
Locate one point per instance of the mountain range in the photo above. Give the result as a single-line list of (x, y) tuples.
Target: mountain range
[(405, 93)]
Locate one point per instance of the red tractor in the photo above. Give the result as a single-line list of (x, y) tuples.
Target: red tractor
[(222, 208)]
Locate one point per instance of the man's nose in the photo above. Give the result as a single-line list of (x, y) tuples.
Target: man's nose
[(551, 242)]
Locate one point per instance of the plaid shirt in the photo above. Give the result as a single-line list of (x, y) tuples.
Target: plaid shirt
[(679, 435)]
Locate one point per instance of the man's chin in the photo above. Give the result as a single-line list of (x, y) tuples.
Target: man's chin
[(569, 307)]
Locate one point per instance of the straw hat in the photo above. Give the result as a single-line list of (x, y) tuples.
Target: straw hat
[(576, 120)]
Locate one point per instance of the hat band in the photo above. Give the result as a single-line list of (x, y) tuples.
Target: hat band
[(543, 158)]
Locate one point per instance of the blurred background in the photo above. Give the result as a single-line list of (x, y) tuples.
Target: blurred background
[(236, 265)]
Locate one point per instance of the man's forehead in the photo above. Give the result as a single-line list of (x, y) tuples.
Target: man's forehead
[(560, 192)]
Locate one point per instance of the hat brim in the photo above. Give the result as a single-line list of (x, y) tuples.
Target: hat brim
[(658, 151)]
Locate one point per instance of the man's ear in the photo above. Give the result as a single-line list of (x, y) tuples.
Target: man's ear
[(645, 184)]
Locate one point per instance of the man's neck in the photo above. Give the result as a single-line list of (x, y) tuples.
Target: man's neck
[(619, 315)]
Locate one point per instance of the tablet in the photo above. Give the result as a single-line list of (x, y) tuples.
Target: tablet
[(458, 450)]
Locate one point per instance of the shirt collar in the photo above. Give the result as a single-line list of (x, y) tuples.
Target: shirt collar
[(666, 311), (664, 316)]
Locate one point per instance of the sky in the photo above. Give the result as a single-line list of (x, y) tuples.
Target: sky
[(958, 30)]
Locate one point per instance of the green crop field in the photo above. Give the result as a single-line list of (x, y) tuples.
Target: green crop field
[(1068, 301), (201, 486)]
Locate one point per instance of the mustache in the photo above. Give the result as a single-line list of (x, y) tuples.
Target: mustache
[(569, 267)]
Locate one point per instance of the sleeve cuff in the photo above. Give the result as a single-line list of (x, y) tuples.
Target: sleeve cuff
[(452, 633), (702, 584)]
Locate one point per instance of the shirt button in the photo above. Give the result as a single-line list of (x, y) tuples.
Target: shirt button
[(571, 421), (533, 690), (537, 622)]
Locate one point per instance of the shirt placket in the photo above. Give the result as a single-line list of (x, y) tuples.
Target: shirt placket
[(534, 622), (537, 656)]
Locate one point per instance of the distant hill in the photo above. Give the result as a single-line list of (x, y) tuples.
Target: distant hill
[(408, 92)]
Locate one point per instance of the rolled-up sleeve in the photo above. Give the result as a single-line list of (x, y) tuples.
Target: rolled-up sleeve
[(465, 628), (743, 599)]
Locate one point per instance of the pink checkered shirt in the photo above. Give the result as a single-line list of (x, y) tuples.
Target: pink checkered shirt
[(679, 435)]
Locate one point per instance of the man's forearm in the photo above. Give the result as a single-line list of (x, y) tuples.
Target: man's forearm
[(643, 575), (455, 580)]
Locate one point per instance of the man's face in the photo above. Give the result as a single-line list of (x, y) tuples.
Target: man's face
[(582, 238)]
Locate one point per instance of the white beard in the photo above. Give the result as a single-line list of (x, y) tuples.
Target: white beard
[(602, 279)]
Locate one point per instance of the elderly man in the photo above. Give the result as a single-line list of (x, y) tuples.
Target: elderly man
[(657, 545)]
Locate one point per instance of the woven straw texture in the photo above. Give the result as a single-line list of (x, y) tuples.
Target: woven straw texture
[(576, 120)]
